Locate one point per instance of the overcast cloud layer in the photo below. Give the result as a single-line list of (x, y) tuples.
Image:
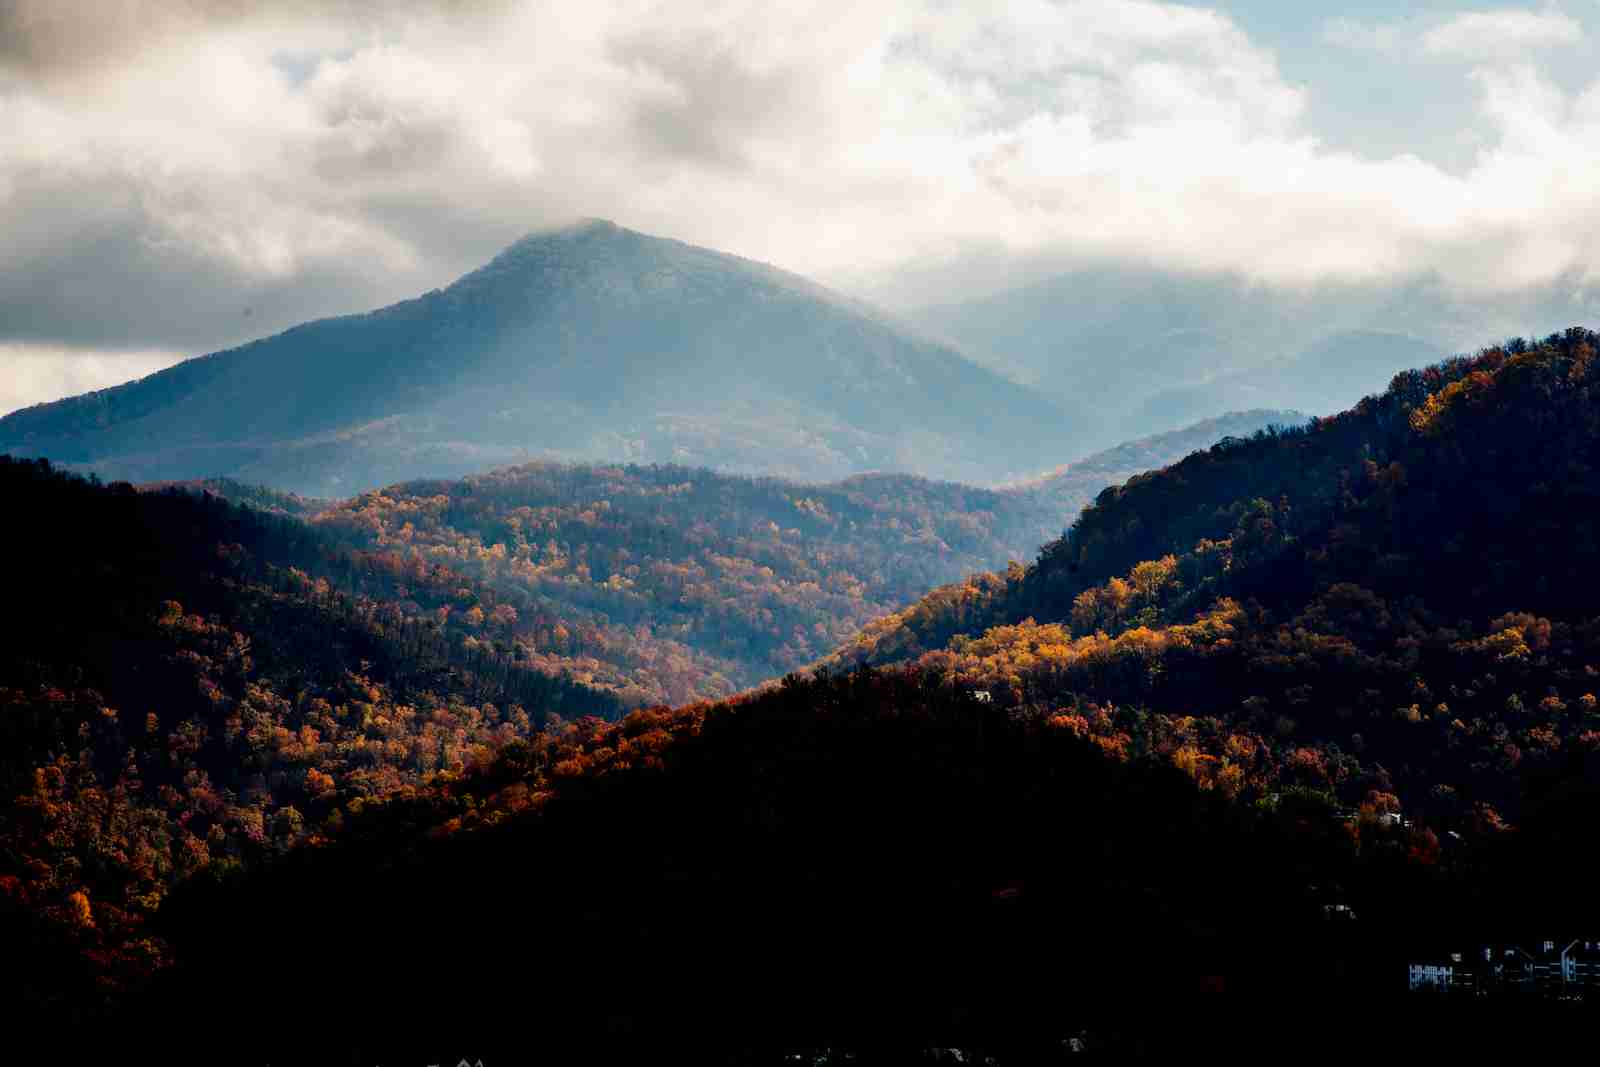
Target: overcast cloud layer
[(178, 177)]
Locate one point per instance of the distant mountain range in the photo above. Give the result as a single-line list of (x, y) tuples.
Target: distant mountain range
[(1349, 364), (667, 583), (588, 343), (1129, 351), (594, 343)]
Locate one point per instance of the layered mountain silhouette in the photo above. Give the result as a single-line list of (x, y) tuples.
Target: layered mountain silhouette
[(1348, 364), (590, 342), (1136, 350)]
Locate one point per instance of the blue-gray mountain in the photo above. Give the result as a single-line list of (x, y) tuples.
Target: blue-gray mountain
[(591, 342), (1130, 351)]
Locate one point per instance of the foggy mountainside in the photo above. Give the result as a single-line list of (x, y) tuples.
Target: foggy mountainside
[(591, 342), (1130, 351), (1325, 378)]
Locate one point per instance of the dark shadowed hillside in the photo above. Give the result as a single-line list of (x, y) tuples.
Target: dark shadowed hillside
[(1310, 727), (1290, 680), (1399, 595), (188, 685), (587, 343), (191, 685)]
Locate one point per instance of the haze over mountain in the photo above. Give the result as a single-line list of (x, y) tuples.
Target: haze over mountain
[(1138, 350), (590, 342), (665, 583), (1348, 364)]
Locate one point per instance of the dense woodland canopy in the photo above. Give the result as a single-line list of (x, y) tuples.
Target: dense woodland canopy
[(198, 685), (1396, 599), (183, 689), (1373, 688), (1148, 761), (668, 584)]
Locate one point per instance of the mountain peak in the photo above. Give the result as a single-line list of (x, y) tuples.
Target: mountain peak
[(588, 341), (582, 229), (587, 226)]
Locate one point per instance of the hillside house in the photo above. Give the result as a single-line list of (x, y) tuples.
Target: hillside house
[(1581, 965), (1552, 969), (1510, 970), (1437, 974), (1549, 967)]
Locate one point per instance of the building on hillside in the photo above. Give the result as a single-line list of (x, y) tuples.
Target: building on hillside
[(1440, 973), (1509, 969), (1581, 964), (1554, 969), (1550, 967)]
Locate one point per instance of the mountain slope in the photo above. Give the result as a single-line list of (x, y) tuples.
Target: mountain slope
[(1074, 484), (1169, 758), (1323, 379), (1383, 640), (591, 342), (1101, 340), (668, 584), (190, 686), (194, 688), (1132, 351), (1399, 595)]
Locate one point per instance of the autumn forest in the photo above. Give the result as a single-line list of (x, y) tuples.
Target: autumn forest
[(623, 711)]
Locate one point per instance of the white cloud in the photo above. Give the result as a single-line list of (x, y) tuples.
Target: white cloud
[(30, 374), (1473, 37), (1481, 35), (153, 195)]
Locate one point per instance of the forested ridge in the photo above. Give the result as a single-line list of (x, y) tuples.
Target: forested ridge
[(1395, 599), (209, 675), (1369, 683), (669, 584), (189, 685), (1353, 665)]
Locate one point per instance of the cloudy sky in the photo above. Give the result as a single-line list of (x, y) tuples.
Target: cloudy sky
[(176, 177)]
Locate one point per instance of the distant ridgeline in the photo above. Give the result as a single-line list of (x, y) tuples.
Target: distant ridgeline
[(590, 343), (669, 584), (1285, 692), (1131, 351)]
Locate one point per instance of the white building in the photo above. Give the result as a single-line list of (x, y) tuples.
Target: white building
[(1436, 974)]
